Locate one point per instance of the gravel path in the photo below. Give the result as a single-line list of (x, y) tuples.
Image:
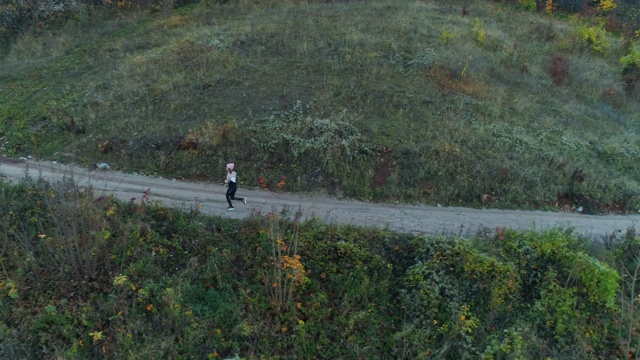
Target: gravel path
[(404, 218)]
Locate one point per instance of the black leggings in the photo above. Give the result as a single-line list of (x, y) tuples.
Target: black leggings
[(231, 193)]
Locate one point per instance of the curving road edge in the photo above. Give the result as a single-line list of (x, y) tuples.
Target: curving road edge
[(210, 199)]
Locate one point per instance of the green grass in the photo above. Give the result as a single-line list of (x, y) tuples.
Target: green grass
[(443, 115)]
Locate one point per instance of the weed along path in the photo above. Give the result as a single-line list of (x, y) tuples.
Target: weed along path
[(210, 199)]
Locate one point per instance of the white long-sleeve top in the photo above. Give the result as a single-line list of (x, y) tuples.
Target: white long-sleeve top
[(231, 177)]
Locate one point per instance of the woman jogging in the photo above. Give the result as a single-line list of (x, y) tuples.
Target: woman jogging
[(232, 182)]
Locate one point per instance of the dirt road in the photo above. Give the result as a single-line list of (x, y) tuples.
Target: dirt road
[(403, 218)]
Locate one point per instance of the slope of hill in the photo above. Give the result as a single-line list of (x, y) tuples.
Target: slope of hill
[(418, 101)]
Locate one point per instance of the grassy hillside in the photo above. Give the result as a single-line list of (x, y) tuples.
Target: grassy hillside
[(476, 104), (87, 278)]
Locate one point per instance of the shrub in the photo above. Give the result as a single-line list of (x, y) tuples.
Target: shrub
[(595, 37), (631, 61), (631, 69), (508, 344), (446, 312), (575, 292), (466, 299), (529, 5), (606, 5), (348, 308), (284, 272), (67, 235)]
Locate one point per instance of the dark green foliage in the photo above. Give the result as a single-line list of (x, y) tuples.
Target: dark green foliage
[(461, 297), (160, 283)]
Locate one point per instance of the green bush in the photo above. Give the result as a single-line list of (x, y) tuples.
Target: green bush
[(467, 301), (595, 37), (529, 5), (181, 285)]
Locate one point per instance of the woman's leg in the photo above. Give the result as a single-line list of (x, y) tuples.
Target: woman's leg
[(233, 194), (231, 191)]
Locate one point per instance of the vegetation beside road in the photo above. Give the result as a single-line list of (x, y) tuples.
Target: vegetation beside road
[(98, 278)]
